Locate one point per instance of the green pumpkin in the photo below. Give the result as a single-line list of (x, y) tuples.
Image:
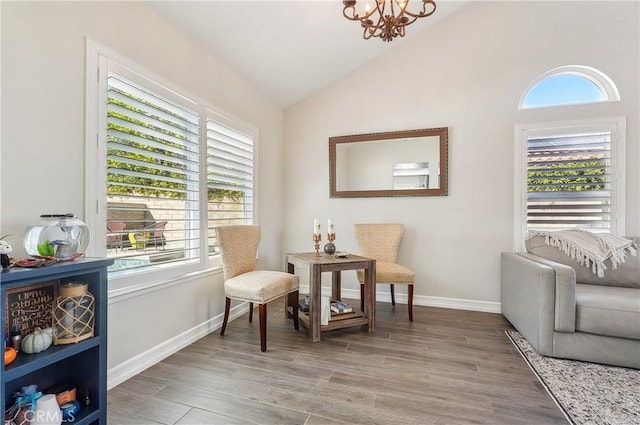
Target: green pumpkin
[(37, 341)]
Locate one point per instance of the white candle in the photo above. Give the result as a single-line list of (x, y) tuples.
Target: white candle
[(316, 226), (329, 226)]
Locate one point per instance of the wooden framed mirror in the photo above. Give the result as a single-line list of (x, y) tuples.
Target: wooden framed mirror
[(397, 163)]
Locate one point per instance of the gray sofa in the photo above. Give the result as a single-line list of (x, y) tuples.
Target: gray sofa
[(566, 311)]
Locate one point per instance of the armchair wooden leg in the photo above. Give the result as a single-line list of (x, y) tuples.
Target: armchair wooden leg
[(362, 297), (393, 295), (227, 307), (250, 312), (262, 310), (410, 302), (293, 302)]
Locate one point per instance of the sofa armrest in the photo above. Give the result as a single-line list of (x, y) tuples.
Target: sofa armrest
[(538, 297), (565, 289)]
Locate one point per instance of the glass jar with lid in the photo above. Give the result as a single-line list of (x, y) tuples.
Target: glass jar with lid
[(57, 236)]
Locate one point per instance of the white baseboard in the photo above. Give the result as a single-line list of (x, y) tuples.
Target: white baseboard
[(456, 303), (120, 373), (427, 301), (137, 364)]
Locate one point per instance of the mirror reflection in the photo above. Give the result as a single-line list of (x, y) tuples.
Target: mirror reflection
[(404, 163)]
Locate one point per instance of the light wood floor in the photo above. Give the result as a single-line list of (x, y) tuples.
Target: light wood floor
[(447, 367)]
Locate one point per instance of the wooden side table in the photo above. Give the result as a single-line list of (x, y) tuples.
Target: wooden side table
[(326, 263)]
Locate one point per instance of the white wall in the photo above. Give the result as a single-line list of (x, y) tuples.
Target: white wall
[(467, 73), (42, 164)]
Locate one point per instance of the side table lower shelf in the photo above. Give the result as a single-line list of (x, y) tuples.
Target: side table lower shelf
[(337, 320)]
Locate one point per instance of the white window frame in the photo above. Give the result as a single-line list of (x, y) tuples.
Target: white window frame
[(617, 127), (97, 57), (601, 80)]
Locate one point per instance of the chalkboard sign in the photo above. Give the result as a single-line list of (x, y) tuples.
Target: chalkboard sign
[(29, 307)]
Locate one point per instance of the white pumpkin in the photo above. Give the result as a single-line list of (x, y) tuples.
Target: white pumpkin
[(37, 341)]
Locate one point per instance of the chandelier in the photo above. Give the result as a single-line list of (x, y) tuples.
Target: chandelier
[(388, 19)]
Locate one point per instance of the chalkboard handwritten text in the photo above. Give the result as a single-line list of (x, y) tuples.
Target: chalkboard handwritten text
[(29, 307)]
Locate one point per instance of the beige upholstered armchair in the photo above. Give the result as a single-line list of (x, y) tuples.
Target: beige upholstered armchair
[(239, 246), (381, 242)]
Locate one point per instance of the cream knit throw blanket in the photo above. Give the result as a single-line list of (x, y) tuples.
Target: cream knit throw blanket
[(590, 249)]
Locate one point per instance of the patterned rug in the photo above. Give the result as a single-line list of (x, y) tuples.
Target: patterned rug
[(588, 393)]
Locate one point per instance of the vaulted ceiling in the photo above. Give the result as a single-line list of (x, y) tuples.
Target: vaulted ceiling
[(286, 49)]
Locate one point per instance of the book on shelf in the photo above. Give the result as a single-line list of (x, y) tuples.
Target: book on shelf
[(325, 311), (341, 307)]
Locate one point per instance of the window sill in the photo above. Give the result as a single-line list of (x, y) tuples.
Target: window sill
[(139, 289)]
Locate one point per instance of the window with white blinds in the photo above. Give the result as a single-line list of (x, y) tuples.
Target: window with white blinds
[(152, 177), (167, 171), (569, 182), (569, 175), (230, 178)]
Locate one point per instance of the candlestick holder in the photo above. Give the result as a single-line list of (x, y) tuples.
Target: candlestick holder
[(330, 248), (317, 237)]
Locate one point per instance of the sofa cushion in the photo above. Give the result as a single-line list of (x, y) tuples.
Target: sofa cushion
[(609, 311), (626, 274)]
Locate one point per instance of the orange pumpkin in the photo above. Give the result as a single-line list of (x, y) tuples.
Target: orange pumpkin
[(9, 355)]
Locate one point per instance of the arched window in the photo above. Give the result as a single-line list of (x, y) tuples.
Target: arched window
[(569, 174), (569, 85)]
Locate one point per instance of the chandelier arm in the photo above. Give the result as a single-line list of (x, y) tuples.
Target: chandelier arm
[(409, 22), (367, 33), (354, 15), (392, 7), (423, 13), (374, 30)]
